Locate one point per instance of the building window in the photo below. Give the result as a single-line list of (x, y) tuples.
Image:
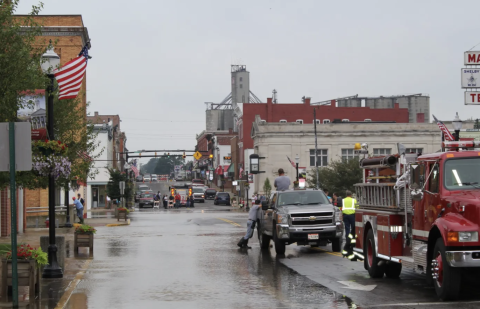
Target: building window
[(241, 78), (322, 157), (326, 120), (414, 150), (241, 85), (283, 121), (347, 154), (263, 121), (345, 120), (317, 121), (300, 121), (368, 120), (381, 151)]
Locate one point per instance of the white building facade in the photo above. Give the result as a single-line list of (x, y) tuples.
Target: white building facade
[(276, 141), (97, 186)]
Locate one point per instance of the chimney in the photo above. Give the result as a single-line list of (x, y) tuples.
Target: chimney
[(307, 101), (96, 114), (333, 103), (396, 105), (269, 100)]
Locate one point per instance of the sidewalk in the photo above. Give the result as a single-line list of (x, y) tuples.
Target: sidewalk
[(55, 293)]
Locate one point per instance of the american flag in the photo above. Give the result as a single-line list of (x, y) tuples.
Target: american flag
[(446, 132), (135, 169), (293, 164), (84, 155), (70, 76)]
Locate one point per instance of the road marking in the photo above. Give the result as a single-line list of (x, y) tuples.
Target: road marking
[(329, 252), (119, 224), (423, 304), (69, 291), (231, 222), (357, 286)]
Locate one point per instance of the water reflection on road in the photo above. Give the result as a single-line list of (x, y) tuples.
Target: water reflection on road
[(189, 259)]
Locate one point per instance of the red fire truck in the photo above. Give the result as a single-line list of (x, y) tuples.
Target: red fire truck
[(421, 212)]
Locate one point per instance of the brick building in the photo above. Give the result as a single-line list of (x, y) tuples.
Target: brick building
[(69, 35)]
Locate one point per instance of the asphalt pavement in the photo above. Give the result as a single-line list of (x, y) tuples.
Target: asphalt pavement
[(188, 258)]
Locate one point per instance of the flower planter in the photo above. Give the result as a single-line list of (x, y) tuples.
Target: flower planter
[(83, 240), (28, 275), (122, 215)]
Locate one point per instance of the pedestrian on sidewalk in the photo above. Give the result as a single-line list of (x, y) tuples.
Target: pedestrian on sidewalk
[(178, 198), (165, 201), (252, 220), (79, 208), (282, 182)]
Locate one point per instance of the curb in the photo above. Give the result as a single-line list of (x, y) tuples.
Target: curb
[(119, 224), (72, 286)]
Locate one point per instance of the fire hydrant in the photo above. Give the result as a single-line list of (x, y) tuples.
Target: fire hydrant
[(47, 222)]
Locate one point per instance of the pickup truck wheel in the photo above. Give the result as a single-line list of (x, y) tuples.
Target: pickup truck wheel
[(337, 244), (279, 245), (263, 239), (446, 279), (375, 269), (393, 270)]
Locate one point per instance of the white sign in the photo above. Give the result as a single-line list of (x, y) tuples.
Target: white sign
[(234, 183), (470, 78), (471, 57), (472, 97), (23, 146)]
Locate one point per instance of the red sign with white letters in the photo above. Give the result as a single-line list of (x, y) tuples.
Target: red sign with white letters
[(39, 134)]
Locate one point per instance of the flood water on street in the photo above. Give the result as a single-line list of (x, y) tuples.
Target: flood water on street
[(189, 259)]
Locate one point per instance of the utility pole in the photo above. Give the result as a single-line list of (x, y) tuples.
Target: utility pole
[(316, 150)]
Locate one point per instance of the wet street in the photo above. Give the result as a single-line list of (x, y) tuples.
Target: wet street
[(188, 258)]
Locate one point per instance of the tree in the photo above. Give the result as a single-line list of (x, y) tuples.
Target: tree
[(163, 165), (113, 186), (19, 59), (267, 188), (338, 176)]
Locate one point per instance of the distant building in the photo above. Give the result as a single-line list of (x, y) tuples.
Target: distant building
[(275, 141)]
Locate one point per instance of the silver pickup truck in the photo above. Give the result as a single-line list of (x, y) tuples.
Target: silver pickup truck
[(305, 217)]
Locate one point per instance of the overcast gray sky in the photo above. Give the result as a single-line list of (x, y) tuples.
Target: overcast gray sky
[(155, 63)]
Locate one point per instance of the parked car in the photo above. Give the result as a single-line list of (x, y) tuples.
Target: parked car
[(198, 194), (147, 179), (154, 178), (145, 199), (198, 181), (222, 198), (139, 178), (210, 193)]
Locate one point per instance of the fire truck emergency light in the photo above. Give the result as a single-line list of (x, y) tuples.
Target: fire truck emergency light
[(461, 144)]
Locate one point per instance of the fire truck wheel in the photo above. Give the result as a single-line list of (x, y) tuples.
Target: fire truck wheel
[(263, 239), (375, 268), (279, 245), (393, 270), (337, 244), (446, 279)]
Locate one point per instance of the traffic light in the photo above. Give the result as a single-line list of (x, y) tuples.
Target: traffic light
[(184, 156), (155, 154), (168, 155), (140, 154)]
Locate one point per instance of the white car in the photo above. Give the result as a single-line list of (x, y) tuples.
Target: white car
[(147, 178), (154, 178)]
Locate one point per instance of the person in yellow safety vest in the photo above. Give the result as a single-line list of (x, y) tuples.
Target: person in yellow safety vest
[(349, 205)]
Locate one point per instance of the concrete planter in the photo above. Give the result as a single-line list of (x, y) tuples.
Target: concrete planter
[(83, 240), (28, 275)]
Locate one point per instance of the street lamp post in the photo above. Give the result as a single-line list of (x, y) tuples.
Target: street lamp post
[(457, 126), (316, 149), (126, 167), (297, 160), (50, 60)]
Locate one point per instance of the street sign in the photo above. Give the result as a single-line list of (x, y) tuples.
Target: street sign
[(359, 152), (23, 147), (472, 97), (470, 78), (39, 134), (472, 57), (197, 155)]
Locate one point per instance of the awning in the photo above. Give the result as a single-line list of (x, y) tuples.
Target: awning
[(221, 169)]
